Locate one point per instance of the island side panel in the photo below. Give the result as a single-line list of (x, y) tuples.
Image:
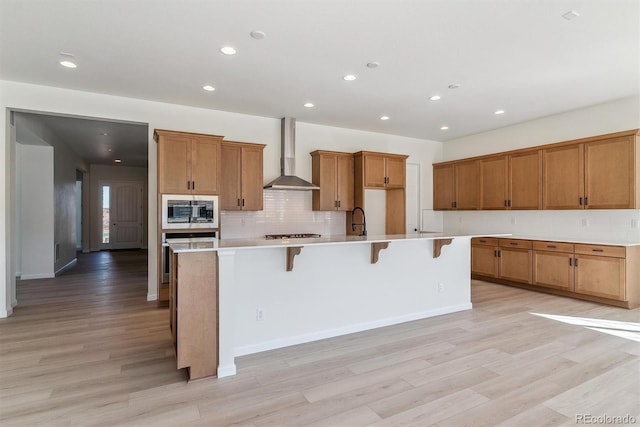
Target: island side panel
[(226, 311), (335, 290)]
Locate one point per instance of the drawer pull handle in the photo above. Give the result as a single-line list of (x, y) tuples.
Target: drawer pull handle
[(483, 241), (598, 250), (513, 243), (551, 246)]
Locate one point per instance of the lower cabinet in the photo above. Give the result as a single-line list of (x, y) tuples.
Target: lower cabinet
[(193, 307), (602, 273), (508, 259)]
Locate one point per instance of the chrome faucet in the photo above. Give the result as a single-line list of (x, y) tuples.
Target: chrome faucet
[(363, 223)]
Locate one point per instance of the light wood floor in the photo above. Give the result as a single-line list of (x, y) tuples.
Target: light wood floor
[(88, 349)]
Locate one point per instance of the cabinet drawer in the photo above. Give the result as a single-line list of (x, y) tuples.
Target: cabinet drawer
[(484, 241), (553, 246), (516, 243), (603, 250)]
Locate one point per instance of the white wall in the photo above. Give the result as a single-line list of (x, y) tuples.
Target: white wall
[(100, 173), (607, 225), (236, 127), (35, 210)]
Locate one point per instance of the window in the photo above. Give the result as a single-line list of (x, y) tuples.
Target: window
[(105, 213)]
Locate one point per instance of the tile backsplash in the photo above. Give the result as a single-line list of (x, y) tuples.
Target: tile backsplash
[(613, 224), (284, 212)]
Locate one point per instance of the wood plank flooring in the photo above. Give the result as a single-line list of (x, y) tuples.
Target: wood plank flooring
[(87, 348)]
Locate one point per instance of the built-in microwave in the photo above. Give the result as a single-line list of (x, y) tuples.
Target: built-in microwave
[(180, 211)]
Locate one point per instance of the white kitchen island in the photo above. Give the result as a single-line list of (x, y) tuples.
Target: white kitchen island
[(335, 286)]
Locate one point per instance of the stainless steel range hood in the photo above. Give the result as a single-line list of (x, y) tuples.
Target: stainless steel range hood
[(287, 179)]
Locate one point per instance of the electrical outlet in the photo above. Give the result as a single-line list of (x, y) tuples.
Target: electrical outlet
[(513, 220), (259, 315), (634, 223), (440, 287), (243, 222), (585, 222)]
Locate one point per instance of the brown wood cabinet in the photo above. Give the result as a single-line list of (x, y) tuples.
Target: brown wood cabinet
[(603, 273), (367, 167), (242, 180), (383, 170), (333, 172), (511, 181), (188, 163), (457, 185), (553, 265), (508, 259), (600, 172), (193, 308)]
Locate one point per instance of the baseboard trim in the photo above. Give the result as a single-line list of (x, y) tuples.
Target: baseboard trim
[(152, 297), (226, 370), (6, 313), (37, 276), (358, 327), (67, 265)]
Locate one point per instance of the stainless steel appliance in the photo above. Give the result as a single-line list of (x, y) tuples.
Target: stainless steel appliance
[(180, 211), (178, 238)]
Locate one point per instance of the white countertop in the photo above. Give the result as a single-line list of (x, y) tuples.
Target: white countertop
[(217, 245), (608, 242)]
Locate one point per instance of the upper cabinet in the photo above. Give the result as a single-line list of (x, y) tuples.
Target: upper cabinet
[(456, 185), (241, 176), (188, 163), (511, 181), (333, 173), (599, 172), (382, 170)]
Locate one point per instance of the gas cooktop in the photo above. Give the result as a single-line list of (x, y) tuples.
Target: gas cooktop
[(291, 236)]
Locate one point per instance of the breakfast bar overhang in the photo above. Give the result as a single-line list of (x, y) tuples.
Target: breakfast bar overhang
[(273, 294)]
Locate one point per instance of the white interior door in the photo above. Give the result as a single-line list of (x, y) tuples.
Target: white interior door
[(124, 215), (412, 194)]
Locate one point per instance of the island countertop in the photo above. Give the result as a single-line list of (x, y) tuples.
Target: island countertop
[(257, 243)]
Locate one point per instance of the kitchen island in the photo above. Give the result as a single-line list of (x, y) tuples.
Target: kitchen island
[(274, 294)]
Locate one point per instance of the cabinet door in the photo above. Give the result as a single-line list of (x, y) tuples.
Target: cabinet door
[(344, 183), (600, 276), (563, 177), (525, 180), (205, 166), (231, 165), (395, 172), (493, 177), (484, 260), (467, 179), (515, 265), (251, 178), (374, 171), (173, 164), (553, 270), (324, 175), (609, 174), (443, 187)]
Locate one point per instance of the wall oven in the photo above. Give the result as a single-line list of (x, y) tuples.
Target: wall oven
[(179, 238), (180, 211)]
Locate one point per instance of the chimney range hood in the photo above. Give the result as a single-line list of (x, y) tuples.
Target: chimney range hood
[(287, 179)]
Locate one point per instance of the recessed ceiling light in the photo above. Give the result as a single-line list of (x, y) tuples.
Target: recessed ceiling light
[(454, 85), (434, 98), (444, 127), (258, 35), (350, 77), (104, 134), (309, 105), (572, 14), (117, 161), (208, 88), (374, 64), (109, 150), (498, 112), (67, 60), (228, 50), (384, 118)]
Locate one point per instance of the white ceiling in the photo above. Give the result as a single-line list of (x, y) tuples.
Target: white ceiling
[(520, 56)]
